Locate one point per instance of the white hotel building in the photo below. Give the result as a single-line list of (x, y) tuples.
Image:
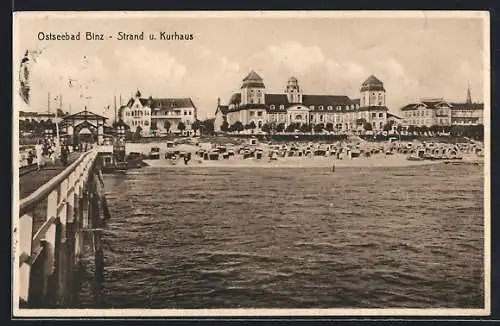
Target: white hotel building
[(253, 103), (160, 114)]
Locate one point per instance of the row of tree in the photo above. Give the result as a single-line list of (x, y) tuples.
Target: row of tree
[(36, 127), (205, 127), (472, 131)]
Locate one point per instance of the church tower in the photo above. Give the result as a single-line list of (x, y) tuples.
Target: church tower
[(292, 91), (372, 92), (252, 89), (469, 98)]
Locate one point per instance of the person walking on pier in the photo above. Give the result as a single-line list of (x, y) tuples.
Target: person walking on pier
[(64, 154), (39, 155)]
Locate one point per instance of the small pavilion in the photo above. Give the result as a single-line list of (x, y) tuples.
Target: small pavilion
[(84, 126)]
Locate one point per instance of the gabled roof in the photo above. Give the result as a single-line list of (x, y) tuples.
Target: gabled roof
[(85, 114), (143, 101)]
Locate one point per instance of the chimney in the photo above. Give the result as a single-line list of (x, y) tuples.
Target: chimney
[(218, 101)]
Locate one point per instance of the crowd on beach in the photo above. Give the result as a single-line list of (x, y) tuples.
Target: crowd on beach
[(348, 151)]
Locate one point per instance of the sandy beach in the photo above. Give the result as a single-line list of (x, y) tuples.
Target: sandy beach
[(396, 160)]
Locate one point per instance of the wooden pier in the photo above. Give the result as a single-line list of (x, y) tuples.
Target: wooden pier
[(56, 224)]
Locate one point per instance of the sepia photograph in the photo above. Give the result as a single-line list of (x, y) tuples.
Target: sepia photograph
[(258, 163)]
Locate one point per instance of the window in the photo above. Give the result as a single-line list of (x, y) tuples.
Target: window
[(190, 112), (321, 107), (259, 114), (252, 113), (272, 106), (380, 115), (321, 118), (338, 107), (374, 115), (298, 117), (282, 107), (146, 123), (185, 113), (329, 108)]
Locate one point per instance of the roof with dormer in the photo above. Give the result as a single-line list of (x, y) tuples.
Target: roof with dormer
[(434, 104), (281, 103)]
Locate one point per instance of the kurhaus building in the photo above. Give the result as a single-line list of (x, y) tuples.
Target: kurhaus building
[(160, 114), (253, 103), (443, 113)]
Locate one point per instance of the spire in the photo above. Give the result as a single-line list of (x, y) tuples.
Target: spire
[(469, 98)]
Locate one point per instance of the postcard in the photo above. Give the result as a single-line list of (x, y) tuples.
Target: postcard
[(266, 163)]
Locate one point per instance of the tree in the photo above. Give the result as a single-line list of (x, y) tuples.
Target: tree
[(207, 126), (266, 128), (167, 125), (292, 127), (252, 126), (329, 127), (225, 126), (434, 129), (237, 126), (306, 127), (280, 127), (60, 113), (368, 126), (388, 125), (137, 133), (196, 125), (424, 129), (181, 126), (319, 127)]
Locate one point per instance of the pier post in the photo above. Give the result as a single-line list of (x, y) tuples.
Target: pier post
[(49, 245), (25, 248)]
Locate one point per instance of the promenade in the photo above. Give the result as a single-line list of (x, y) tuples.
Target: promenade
[(31, 181)]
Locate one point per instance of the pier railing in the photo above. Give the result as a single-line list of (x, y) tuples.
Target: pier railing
[(50, 242)]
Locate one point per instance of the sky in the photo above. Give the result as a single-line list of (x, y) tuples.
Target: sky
[(418, 56)]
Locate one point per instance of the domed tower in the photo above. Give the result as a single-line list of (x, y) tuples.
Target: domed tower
[(372, 92), (252, 89), (292, 90)]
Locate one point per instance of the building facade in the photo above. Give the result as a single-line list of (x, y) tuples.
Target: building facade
[(443, 113), (254, 104), (159, 115)]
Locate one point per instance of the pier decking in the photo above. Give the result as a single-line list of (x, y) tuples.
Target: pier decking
[(34, 179)]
